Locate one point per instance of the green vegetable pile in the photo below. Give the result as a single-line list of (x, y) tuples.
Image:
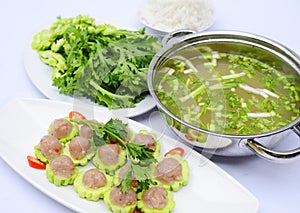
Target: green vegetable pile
[(99, 62)]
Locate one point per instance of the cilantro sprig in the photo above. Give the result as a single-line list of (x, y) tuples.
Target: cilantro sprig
[(115, 129), (140, 173)]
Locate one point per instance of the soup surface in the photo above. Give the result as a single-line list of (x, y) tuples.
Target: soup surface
[(230, 94)]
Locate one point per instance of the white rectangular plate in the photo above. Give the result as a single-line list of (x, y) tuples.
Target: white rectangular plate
[(25, 121)]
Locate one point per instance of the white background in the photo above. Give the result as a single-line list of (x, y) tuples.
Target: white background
[(275, 185)]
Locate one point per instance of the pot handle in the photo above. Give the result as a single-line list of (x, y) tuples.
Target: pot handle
[(274, 156), (170, 38)]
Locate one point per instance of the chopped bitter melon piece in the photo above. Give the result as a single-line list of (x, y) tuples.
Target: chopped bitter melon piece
[(74, 132), (127, 207), (108, 167), (83, 161), (152, 207), (175, 184), (58, 180), (40, 155), (93, 193)]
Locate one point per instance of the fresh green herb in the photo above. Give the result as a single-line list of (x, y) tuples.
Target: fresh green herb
[(115, 129), (99, 62), (233, 100), (140, 173), (126, 180), (140, 152)]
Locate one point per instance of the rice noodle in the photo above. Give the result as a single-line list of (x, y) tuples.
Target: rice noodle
[(170, 15)]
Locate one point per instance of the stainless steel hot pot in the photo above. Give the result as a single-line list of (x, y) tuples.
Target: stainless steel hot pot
[(236, 43)]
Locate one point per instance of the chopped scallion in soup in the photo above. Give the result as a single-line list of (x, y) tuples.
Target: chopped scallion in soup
[(231, 94)]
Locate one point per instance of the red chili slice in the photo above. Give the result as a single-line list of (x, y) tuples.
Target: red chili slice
[(188, 137), (35, 163), (76, 115), (177, 150)]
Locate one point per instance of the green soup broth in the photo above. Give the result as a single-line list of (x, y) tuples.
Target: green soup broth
[(228, 93)]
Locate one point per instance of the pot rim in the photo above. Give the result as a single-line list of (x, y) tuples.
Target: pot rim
[(232, 35)]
